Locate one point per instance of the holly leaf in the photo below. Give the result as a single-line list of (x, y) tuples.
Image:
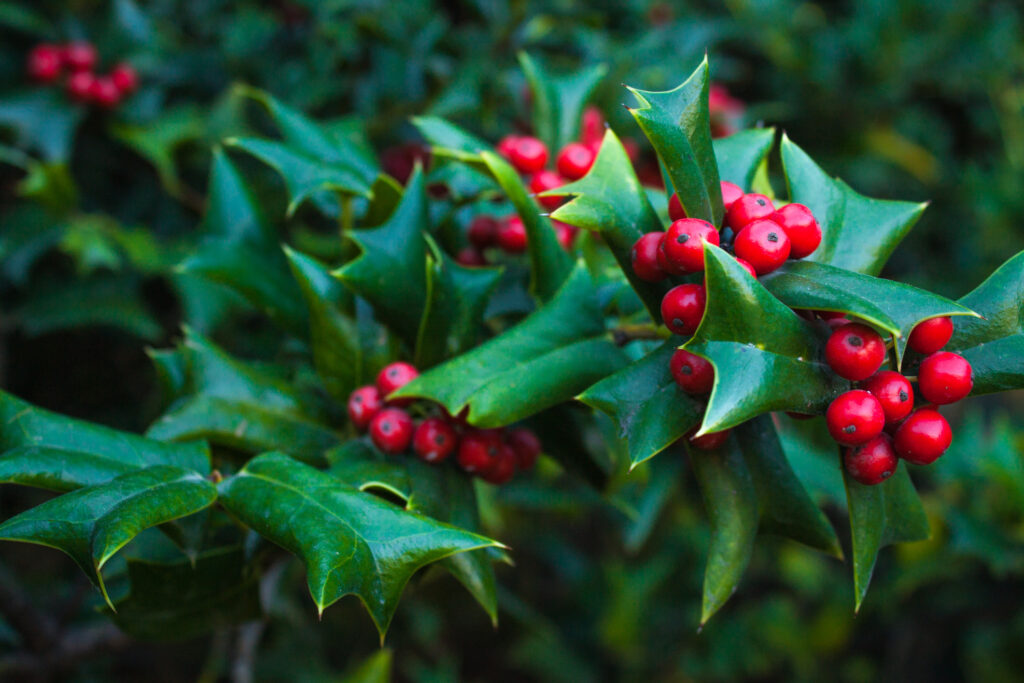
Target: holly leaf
[(158, 141), (886, 513), (55, 452), (677, 123), (765, 356), (994, 344), (43, 121), (858, 233), (351, 542), (91, 524), (652, 412), (549, 357), (741, 155), (558, 100), (891, 306), (449, 140), (233, 213)]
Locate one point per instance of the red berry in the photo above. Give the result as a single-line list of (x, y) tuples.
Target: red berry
[(391, 430), (526, 445), (503, 467), (683, 243), (478, 451), (80, 56), (710, 442), (931, 335), (675, 208), (529, 155), (512, 235), (894, 392), (542, 181), (471, 257), (830, 315), (395, 376), (749, 268), (855, 351), (506, 145), (855, 417), (730, 193), (45, 63), (645, 257), (434, 440), (683, 307), (873, 462), (923, 437), (105, 93), (80, 86), (945, 377), (483, 231), (803, 231), (565, 234), (763, 244), (747, 209), (574, 160), (836, 323), (591, 126), (125, 78), (665, 263), (363, 404), (693, 374)]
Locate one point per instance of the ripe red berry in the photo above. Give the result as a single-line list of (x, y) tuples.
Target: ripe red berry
[(565, 234), (945, 377), (80, 56), (125, 78), (80, 86), (931, 335), (363, 404), (749, 268), (894, 392), (730, 193), (574, 160), (529, 155), (683, 243), (667, 265), (471, 257), (923, 437), (395, 376), (544, 180), (763, 244), (693, 374), (478, 451), (45, 63), (391, 430), (645, 257), (675, 208), (710, 442), (683, 307), (873, 462), (434, 440), (512, 235), (506, 145), (747, 209), (483, 231), (855, 351), (591, 126), (503, 468), (526, 446), (854, 418), (105, 93), (802, 229)]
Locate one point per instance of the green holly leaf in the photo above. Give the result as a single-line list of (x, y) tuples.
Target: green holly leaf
[(233, 213), (858, 233), (765, 356), (55, 452), (743, 155), (43, 121), (610, 201), (748, 486), (548, 358), (890, 512), (158, 141), (351, 542), (677, 124), (892, 306), (558, 100), (994, 344), (451, 141), (91, 524), (652, 412)]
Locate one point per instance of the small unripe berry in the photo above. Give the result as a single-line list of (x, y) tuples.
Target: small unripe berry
[(693, 374), (478, 450), (873, 462), (682, 308), (923, 437), (855, 351), (529, 155), (574, 161), (391, 430), (503, 467), (747, 209), (683, 243), (526, 446), (931, 335), (945, 377), (363, 404), (802, 229), (645, 257), (542, 181), (710, 442), (45, 63), (854, 418), (675, 208), (730, 193), (512, 235), (80, 56), (434, 440), (125, 78), (894, 392), (763, 244), (395, 376)]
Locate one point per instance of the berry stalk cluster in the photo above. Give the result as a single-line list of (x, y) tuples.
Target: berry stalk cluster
[(48, 63)]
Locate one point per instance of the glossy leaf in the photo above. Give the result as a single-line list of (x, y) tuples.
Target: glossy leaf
[(740, 155), (858, 233), (351, 542), (558, 100), (450, 140), (233, 213)]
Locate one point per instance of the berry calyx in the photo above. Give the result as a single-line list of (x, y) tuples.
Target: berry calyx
[(873, 462), (391, 430), (747, 209), (80, 56), (675, 208), (931, 335), (730, 193), (526, 446), (693, 374), (478, 451), (125, 78), (855, 418), (802, 229), (542, 181), (80, 86), (683, 243), (503, 467), (710, 442), (105, 93), (471, 257), (483, 231), (683, 307), (512, 235), (763, 244), (645, 257), (45, 63), (945, 377), (923, 437), (528, 155), (395, 376), (854, 351), (574, 160), (363, 404), (894, 392), (434, 440)]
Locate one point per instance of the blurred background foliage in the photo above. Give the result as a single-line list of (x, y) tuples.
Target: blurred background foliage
[(908, 99)]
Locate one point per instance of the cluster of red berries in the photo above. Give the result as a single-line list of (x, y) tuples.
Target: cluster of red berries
[(507, 234), (877, 421), (494, 455), (47, 63)]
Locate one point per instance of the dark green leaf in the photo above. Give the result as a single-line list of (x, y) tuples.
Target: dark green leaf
[(558, 100), (158, 141), (740, 155), (450, 140), (232, 213), (43, 120)]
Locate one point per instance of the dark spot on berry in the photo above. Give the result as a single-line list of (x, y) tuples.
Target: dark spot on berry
[(677, 322), (772, 237), (357, 399), (854, 340), (385, 427), (439, 439), (849, 429), (393, 373), (886, 474), (903, 396), (687, 370), (683, 239), (761, 202)]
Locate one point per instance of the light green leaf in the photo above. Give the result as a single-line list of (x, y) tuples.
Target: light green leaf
[(558, 100), (742, 154)]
